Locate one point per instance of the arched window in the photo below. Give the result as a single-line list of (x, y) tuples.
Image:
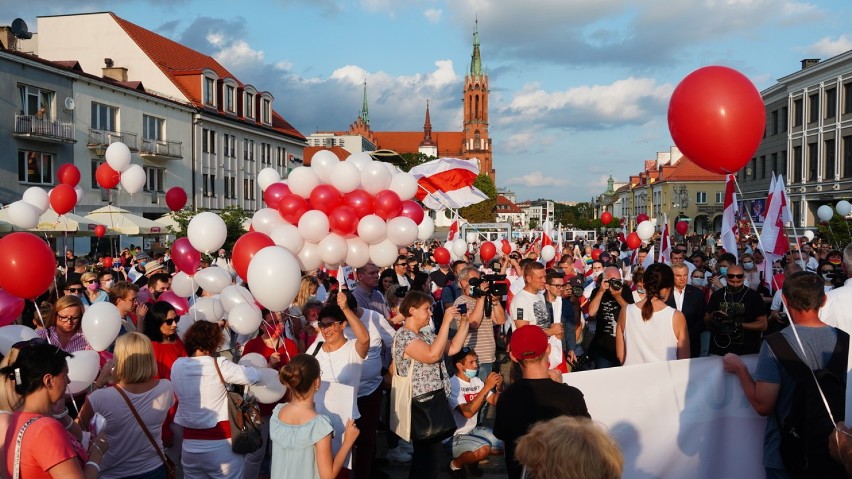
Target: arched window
[(476, 110), (476, 141)]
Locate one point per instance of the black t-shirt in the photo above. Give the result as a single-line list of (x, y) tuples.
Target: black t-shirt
[(743, 306), (528, 401), (440, 278), (603, 344)]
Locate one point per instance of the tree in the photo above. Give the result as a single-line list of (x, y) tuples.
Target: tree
[(234, 217), (835, 232), (410, 160), (485, 211)]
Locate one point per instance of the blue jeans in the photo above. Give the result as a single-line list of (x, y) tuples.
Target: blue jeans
[(478, 437), (603, 363), (158, 473), (484, 370)]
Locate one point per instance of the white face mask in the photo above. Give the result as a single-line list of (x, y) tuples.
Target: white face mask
[(701, 282)]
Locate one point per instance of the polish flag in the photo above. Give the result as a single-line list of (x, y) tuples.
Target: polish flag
[(448, 183), (454, 231), (729, 220)]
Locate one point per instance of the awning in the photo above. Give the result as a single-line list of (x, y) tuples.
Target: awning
[(125, 222), (50, 222)]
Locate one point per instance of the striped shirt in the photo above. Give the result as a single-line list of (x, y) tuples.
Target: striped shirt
[(76, 343), (481, 340)]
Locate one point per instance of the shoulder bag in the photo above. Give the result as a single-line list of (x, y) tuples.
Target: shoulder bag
[(16, 472), (170, 466), (244, 418)]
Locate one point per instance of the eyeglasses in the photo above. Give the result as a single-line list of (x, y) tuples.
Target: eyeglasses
[(560, 286), (75, 290), (736, 276), (327, 325), (170, 322), (401, 264), (68, 319), (90, 281)]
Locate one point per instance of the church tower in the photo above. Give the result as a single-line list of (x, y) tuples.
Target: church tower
[(477, 143)]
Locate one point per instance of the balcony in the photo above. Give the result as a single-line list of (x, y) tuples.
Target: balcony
[(160, 149), (43, 129), (104, 138)]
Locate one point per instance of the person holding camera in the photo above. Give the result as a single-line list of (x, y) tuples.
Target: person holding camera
[(480, 337), (605, 307), (735, 316)]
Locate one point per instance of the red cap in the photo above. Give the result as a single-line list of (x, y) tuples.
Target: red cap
[(528, 342)]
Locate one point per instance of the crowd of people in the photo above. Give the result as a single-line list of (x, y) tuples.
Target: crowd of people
[(158, 407)]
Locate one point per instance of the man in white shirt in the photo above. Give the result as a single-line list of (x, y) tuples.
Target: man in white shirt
[(836, 311), (528, 306)]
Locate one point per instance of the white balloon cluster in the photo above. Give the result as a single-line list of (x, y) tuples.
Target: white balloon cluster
[(133, 177)]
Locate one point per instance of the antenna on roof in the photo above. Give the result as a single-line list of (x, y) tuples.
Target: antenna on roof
[(20, 29)]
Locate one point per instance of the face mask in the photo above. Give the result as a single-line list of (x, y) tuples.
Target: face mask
[(699, 282), (826, 277), (577, 291), (748, 265), (109, 283), (470, 373), (723, 270), (640, 290), (221, 255), (92, 287)]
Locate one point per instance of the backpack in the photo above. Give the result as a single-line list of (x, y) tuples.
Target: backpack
[(806, 429)]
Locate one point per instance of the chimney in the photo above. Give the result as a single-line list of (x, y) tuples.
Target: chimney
[(113, 72), (809, 62), (7, 38)]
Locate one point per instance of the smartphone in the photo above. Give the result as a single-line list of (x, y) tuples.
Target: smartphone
[(462, 308)]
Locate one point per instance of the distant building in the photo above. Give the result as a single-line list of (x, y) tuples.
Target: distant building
[(509, 212), (538, 211)]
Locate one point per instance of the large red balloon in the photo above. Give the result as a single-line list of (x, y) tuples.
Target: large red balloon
[(717, 118), (176, 198), (487, 251), (245, 248), (185, 257), (100, 231), (107, 261), (682, 227), (343, 221), (387, 204), (641, 217), (27, 263), (325, 198), (273, 194), (606, 218), (360, 201), (107, 177), (507, 247), (68, 174), (63, 198), (633, 241), (596, 254), (411, 209), (441, 255), (291, 208)]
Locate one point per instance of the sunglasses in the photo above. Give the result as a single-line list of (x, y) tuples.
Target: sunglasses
[(327, 325), (736, 276), (90, 281), (68, 319), (75, 290), (170, 322)]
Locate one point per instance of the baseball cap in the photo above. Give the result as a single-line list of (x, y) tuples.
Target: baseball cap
[(527, 342)]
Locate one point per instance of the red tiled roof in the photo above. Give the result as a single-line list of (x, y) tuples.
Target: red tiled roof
[(449, 142), (506, 206), (310, 151), (686, 170), (70, 64)]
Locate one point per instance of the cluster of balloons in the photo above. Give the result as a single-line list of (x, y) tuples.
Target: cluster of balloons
[(25, 212), (826, 212)]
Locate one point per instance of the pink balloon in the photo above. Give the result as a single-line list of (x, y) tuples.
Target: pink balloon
[(10, 307), (412, 210), (181, 305), (185, 257)]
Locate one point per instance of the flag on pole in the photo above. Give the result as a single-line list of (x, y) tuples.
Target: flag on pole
[(786, 213), (454, 230), (729, 220), (448, 183), (666, 242), (773, 236), (649, 260)]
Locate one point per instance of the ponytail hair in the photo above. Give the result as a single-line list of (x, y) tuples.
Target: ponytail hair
[(657, 277)]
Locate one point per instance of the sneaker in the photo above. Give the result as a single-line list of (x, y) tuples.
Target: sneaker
[(398, 456)]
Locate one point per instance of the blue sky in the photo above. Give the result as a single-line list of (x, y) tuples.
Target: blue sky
[(579, 88)]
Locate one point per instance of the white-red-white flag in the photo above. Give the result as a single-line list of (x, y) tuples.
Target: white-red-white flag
[(453, 231), (666, 242), (729, 220), (448, 183), (649, 260)]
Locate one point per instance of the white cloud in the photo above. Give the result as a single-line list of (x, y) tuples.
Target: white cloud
[(537, 178), (828, 47), (433, 14), (238, 53)]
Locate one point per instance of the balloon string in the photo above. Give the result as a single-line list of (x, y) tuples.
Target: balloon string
[(41, 318)]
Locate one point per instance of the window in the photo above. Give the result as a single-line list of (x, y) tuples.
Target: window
[(762, 166), (774, 163), (230, 187), (847, 156), (798, 112), (775, 122), (230, 97), (701, 197), (248, 149), (152, 127), (281, 155), (155, 179), (797, 163), (36, 102), (720, 197), (812, 161), (208, 141), (813, 108), (248, 105), (209, 91), (212, 187), (782, 168), (828, 160), (232, 146), (847, 98), (104, 117), (265, 153), (248, 189), (784, 120), (831, 103), (35, 168), (266, 111)]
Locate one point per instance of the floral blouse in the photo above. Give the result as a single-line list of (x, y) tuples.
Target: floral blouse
[(425, 377)]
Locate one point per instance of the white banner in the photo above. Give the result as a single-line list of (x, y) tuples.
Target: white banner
[(677, 419), (337, 401)]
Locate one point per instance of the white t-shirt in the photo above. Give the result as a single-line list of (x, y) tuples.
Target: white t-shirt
[(837, 306), (202, 399), (462, 392), (529, 307), (378, 356), (342, 366)]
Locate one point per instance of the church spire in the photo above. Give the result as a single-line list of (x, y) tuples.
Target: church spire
[(427, 129), (365, 113), (475, 60)]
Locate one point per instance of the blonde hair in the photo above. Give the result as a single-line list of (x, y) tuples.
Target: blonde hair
[(62, 303), (87, 276), (304, 293), (134, 358), (569, 448)]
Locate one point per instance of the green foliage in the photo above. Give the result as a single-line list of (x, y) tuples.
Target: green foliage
[(533, 223), (484, 211), (836, 232), (579, 216), (234, 216), (410, 160)]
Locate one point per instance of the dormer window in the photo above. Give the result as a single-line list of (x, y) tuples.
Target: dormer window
[(248, 105), (230, 99), (266, 111), (209, 91)]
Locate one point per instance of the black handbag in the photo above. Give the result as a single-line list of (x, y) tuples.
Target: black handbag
[(431, 416), (244, 418)]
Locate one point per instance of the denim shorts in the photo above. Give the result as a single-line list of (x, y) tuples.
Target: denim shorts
[(473, 440)]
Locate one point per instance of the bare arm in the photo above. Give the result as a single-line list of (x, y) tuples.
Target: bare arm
[(595, 303), (362, 336), (761, 395), (759, 324), (457, 343), (498, 314), (682, 335), (426, 353), (469, 409), (620, 348)]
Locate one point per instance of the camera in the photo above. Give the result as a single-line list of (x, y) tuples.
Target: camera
[(615, 284), (494, 288), (725, 325), (462, 308), (401, 291)]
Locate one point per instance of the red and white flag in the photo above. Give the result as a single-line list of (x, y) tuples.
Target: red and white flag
[(454, 231), (448, 183), (729, 220), (773, 237), (666, 242), (649, 260)]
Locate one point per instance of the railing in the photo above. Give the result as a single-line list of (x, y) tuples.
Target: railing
[(104, 137), (44, 127), (161, 148)]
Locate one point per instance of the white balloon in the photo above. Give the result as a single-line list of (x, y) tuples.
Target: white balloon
[(426, 228), (14, 333), (843, 207), (184, 323), (208, 309), (266, 177), (287, 236), (332, 249), (645, 230), (302, 180), (253, 360), (384, 254), (459, 247), (118, 156), (357, 252), (825, 212), (82, 370), (101, 324), (207, 232), (323, 163), (308, 257), (183, 285), (265, 220), (213, 279), (269, 389), (38, 198), (402, 231), (360, 160), (79, 190), (313, 226), (548, 252), (404, 184), (372, 229), (449, 247), (809, 235), (345, 177), (133, 179), (233, 295), (23, 215), (375, 177), (244, 318), (274, 277)]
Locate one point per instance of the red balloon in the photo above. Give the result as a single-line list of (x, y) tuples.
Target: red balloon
[(507, 247), (343, 221), (273, 194), (291, 208), (633, 241), (107, 262), (28, 264), (68, 174), (487, 251), (606, 217), (641, 217), (325, 198), (63, 198), (245, 248), (181, 305), (441, 255), (717, 118), (387, 204), (185, 257), (107, 177), (176, 198), (682, 227), (11, 308), (411, 209), (360, 201), (596, 254), (100, 231)]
